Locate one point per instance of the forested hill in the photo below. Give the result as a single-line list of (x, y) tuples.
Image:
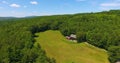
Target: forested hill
[(100, 29), (6, 18)]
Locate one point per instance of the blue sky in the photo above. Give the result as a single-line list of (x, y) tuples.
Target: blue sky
[(21, 8)]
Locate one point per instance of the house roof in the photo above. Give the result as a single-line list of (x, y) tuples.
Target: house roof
[(72, 35)]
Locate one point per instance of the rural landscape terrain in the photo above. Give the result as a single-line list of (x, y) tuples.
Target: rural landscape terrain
[(46, 39), (64, 51)]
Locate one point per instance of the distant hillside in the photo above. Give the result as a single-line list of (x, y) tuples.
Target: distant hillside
[(6, 18)]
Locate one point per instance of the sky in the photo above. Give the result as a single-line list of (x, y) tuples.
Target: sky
[(23, 8)]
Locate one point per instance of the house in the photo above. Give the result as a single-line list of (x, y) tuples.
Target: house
[(72, 37), (68, 37)]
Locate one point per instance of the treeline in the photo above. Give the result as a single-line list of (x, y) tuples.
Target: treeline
[(17, 36), (17, 43)]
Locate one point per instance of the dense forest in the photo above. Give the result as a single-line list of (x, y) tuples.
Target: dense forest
[(101, 29)]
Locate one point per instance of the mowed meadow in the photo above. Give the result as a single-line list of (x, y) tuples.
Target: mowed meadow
[(65, 51)]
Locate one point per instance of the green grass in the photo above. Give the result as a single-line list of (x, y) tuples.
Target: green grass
[(64, 51)]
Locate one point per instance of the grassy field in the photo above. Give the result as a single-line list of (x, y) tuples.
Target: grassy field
[(64, 51)]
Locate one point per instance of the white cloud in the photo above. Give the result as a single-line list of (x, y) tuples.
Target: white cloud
[(115, 4), (104, 8), (110, 4), (34, 2), (15, 5)]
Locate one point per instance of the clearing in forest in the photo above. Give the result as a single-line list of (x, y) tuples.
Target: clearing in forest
[(63, 51)]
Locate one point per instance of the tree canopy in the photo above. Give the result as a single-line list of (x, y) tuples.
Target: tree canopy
[(100, 29)]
